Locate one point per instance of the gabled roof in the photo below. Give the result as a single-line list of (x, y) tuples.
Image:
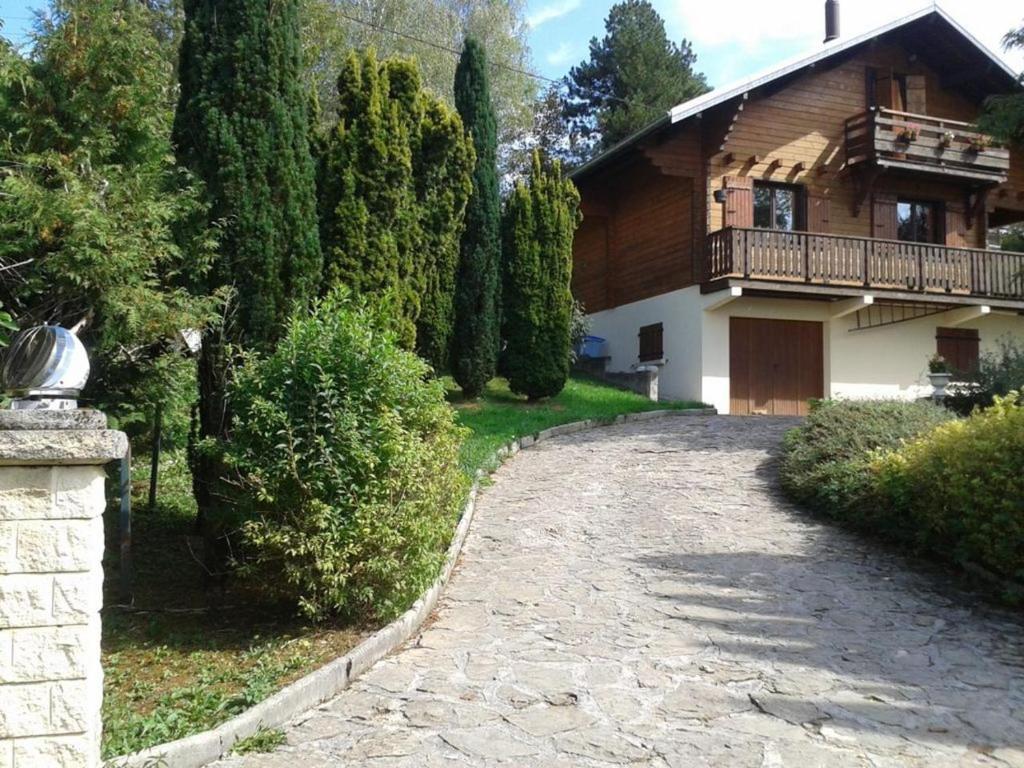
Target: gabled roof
[(999, 74)]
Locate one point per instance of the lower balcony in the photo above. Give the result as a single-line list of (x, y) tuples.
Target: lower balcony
[(837, 264)]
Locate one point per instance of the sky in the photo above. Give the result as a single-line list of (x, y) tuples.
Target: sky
[(732, 38)]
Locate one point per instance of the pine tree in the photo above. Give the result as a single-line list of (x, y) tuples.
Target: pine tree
[(394, 179), (476, 338), (242, 127), (633, 75), (538, 224)]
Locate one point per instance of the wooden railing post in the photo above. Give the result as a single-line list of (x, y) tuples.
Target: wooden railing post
[(867, 257)]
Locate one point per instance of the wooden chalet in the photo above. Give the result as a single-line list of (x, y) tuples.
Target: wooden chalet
[(820, 230)]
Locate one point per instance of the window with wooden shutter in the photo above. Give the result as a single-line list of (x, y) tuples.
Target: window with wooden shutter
[(651, 343), (819, 211), (956, 226), (959, 347), (739, 201), (883, 217)]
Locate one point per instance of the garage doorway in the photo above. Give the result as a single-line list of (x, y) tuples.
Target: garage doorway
[(775, 366)]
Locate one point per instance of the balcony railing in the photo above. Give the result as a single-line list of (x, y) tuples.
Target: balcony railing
[(834, 260), (884, 137)]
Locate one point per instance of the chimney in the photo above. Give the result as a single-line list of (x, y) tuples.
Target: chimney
[(831, 20)]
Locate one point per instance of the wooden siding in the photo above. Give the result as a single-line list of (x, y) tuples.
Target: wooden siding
[(640, 245), (796, 135)]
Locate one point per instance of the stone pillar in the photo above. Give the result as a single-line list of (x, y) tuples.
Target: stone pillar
[(51, 585)]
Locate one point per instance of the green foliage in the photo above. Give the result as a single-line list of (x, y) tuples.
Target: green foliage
[(958, 491), (347, 458), (826, 459), (477, 292), (90, 198), (331, 29), (1000, 372), (241, 126), (539, 221), (579, 329), (264, 740), (393, 184), (1004, 115), (632, 77)]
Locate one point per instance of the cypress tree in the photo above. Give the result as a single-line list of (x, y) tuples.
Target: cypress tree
[(241, 126), (394, 178), (537, 228), (476, 337)]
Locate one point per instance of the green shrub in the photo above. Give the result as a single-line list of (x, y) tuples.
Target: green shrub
[(960, 488), (826, 460), (999, 373), (347, 462)]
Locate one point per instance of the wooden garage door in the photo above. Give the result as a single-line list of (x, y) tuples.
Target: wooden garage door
[(775, 366)]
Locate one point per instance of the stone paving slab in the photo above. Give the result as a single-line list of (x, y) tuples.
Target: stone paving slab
[(642, 595)]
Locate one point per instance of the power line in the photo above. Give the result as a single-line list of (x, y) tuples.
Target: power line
[(455, 52)]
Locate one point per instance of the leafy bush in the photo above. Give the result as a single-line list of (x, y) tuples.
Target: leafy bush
[(826, 461), (960, 489), (999, 373), (347, 458)]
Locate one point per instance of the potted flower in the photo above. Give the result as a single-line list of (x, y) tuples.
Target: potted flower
[(978, 143), (946, 139), (908, 133), (939, 374)]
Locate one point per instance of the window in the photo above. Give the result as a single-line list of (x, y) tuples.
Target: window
[(651, 343), (959, 348), (917, 222), (778, 206)]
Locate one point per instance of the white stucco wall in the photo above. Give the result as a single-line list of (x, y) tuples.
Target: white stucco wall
[(679, 312), (890, 361)]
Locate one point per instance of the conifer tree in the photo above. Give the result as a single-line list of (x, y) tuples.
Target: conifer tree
[(538, 224), (394, 179), (242, 127), (476, 337)]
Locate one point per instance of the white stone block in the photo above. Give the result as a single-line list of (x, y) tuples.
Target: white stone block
[(70, 707), (27, 600), (77, 597), (50, 653), (25, 710), (6, 753), (79, 492), (25, 493), (56, 752), (8, 540), (58, 546)]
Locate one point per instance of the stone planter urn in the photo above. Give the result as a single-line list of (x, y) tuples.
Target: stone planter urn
[(939, 382)]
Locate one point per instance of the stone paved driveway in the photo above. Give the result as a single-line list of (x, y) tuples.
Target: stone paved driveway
[(641, 595)]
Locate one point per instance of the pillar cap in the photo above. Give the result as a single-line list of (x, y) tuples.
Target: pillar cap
[(58, 438)]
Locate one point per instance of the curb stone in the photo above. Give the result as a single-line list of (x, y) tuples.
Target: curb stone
[(323, 684)]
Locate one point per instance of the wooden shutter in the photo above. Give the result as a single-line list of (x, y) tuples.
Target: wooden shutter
[(960, 348), (885, 86), (739, 201), (956, 225), (916, 95), (883, 217), (819, 211), (651, 343)]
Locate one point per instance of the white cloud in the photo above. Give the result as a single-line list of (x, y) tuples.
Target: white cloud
[(551, 12), (754, 27), (563, 54)]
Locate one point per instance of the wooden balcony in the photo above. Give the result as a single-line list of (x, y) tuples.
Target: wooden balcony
[(792, 259), (883, 138)]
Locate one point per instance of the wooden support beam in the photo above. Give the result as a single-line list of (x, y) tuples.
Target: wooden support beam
[(728, 158), (976, 206), (821, 170), (753, 160), (799, 167), (849, 306), (773, 166), (726, 297), (956, 317), (866, 186)]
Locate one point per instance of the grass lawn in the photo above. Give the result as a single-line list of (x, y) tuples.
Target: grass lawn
[(186, 657), (500, 416)]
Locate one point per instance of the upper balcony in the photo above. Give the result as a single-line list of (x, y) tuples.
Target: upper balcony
[(883, 138), (802, 262)]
